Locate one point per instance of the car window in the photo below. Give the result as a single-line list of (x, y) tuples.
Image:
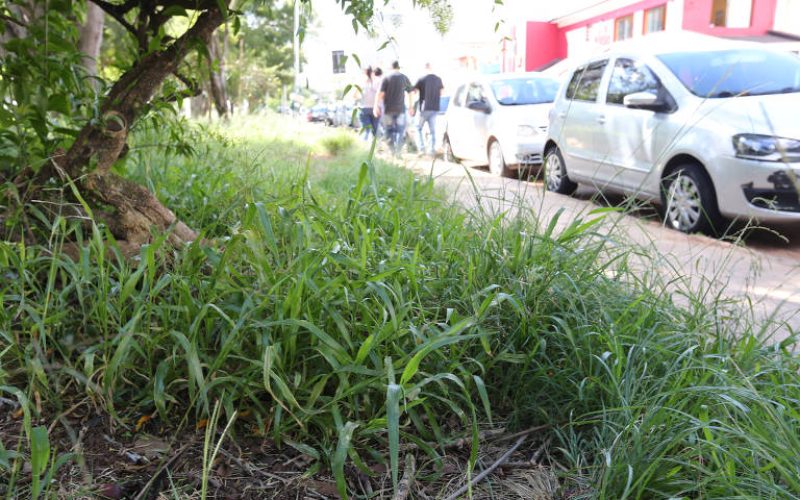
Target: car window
[(475, 94), (458, 100), (630, 77), (585, 83), (735, 72), (521, 91)]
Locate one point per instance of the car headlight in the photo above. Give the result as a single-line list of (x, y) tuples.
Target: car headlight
[(766, 148), (526, 131)]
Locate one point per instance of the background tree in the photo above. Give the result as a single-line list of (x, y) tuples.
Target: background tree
[(91, 37), (56, 132), (260, 63)]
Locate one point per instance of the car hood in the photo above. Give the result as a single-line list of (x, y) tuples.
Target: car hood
[(768, 114), (535, 115)]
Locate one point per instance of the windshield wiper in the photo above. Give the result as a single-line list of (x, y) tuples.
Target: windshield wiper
[(785, 90)]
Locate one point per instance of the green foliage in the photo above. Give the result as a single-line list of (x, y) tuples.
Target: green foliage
[(259, 59), (338, 143), (317, 285), (45, 94)]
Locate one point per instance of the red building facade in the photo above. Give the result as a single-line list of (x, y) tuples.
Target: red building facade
[(599, 25)]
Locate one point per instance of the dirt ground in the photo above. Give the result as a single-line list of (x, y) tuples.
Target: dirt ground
[(762, 272), (156, 463)]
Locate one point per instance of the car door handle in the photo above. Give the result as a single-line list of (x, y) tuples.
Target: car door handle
[(562, 115), (601, 119)]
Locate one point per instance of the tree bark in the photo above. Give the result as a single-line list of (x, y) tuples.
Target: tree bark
[(100, 145), (216, 69), (92, 38), (15, 25)]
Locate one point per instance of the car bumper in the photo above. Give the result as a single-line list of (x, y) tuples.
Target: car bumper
[(759, 190), (525, 153)]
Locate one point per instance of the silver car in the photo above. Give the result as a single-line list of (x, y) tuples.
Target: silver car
[(707, 133), (500, 120)]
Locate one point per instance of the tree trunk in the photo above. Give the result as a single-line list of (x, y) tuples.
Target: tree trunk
[(216, 68), (15, 25), (136, 210), (92, 38)]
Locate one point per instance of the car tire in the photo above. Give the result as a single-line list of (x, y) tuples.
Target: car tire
[(689, 201), (497, 164), (555, 173), (447, 150)]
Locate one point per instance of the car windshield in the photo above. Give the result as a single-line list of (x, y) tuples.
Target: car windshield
[(521, 91), (730, 73)]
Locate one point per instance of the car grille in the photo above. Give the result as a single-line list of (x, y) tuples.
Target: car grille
[(783, 197), (531, 159)]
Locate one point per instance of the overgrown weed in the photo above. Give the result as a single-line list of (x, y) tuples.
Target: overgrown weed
[(348, 311)]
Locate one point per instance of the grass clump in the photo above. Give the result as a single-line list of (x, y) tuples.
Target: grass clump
[(338, 143), (348, 311)]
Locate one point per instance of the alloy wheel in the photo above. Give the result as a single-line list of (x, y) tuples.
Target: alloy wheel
[(496, 162), (448, 151), (553, 171), (684, 204)]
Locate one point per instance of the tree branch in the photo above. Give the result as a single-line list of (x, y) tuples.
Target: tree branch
[(12, 20), (189, 4), (193, 87), (117, 12)]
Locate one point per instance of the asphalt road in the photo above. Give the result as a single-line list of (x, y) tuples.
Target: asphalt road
[(761, 273)]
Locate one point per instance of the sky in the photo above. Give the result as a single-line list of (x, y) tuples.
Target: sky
[(417, 42)]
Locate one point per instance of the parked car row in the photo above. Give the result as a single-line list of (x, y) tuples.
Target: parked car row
[(709, 134), (501, 120), (335, 115)]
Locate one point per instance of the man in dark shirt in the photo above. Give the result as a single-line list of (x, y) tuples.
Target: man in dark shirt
[(392, 97), (429, 88)]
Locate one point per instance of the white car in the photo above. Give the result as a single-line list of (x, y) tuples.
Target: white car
[(500, 120), (708, 133)]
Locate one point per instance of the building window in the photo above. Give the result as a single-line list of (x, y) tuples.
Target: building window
[(623, 28), (731, 13), (339, 61), (654, 19)]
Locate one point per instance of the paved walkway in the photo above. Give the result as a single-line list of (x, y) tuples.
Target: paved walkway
[(765, 273)]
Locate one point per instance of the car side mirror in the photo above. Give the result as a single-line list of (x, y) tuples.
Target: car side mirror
[(644, 100), (481, 106)]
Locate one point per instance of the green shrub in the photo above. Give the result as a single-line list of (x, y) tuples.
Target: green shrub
[(339, 143), (352, 310)]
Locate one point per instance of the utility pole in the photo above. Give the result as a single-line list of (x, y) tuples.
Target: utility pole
[(296, 45)]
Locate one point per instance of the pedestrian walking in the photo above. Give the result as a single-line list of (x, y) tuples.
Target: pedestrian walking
[(377, 77), (368, 94), (390, 106), (429, 88)]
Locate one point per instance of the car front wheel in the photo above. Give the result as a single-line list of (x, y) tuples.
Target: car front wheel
[(555, 173), (689, 201), (497, 164), (448, 151)]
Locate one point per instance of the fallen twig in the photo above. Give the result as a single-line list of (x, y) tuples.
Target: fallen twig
[(533, 462), (489, 469), (404, 487), (459, 442), (523, 433), (251, 470), (161, 469)]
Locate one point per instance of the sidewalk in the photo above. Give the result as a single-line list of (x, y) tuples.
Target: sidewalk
[(763, 277)]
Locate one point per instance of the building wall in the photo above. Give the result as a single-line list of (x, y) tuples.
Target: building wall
[(544, 42), (787, 17), (587, 32), (697, 17), (587, 36)]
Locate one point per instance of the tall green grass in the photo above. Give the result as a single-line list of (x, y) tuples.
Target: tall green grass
[(346, 309)]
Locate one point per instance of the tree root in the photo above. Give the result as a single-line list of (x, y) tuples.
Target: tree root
[(139, 211)]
